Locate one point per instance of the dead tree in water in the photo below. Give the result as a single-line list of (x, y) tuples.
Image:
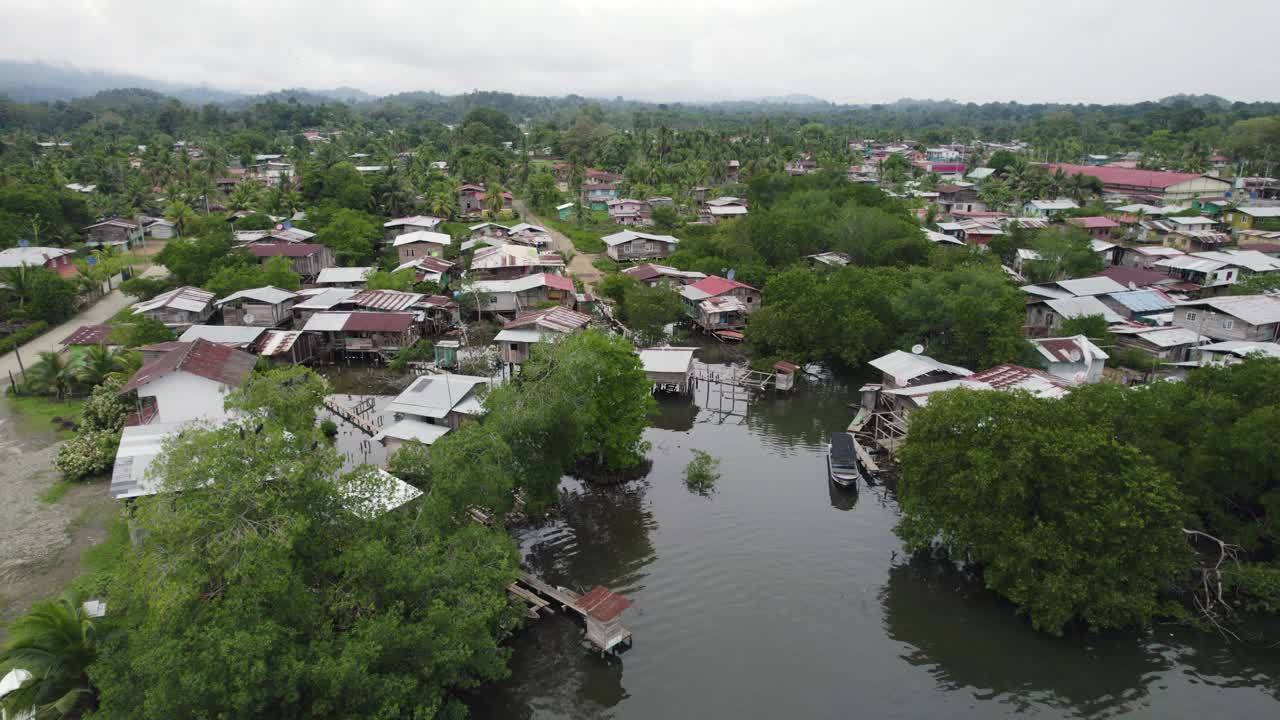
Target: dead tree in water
[(1208, 599)]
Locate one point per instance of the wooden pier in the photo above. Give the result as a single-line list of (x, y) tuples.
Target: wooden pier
[(599, 610), (353, 416)]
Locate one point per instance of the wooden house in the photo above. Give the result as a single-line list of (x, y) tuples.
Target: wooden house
[(188, 381), (55, 259), (121, 233), (505, 262), (630, 245), (626, 211), (508, 297), (1250, 318), (179, 308), (420, 243), (431, 407), (307, 259), (403, 225), (670, 369), (286, 347), (661, 275), (377, 333), (537, 326), (267, 307), (716, 303)]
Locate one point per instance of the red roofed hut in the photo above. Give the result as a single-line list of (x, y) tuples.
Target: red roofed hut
[(602, 608)]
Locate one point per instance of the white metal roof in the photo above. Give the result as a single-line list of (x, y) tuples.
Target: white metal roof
[(1082, 287), (413, 429), (326, 322), (727, 210), (268, 294), (904, 367), (324, 298), (425, 221), (423, 236), (372, 501), (343, 275), (1251, 260), (1260, 212), (1243, 348), (937, 237), (1171, 337), (236, 335), (139, 446), (189, 299), (1253, 309), (627, 236), (34, 256), (1192, 220), (434, 396), (524, 335), (1082, 307), (667, 360), (1191, 262)]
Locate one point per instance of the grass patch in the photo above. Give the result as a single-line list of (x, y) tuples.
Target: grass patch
[(36, 412), (585, 239), (604, 264), (99, 562), (55, 492)]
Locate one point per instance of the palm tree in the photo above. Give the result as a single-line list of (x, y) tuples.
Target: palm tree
[(493, 199), (54, 374), (18, 280), (54, 643), (100, 361), (181, 215)]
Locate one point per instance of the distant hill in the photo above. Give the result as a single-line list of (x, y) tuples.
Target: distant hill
[(43, 82)]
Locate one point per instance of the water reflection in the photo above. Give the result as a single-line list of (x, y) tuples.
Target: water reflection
[(842, 498), (600, 536), (553, 675), (970, 640), (675, 412)]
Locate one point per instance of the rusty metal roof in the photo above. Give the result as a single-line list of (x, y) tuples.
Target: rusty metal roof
[(274, 342), (88, 335), (557, 319), (377, 322), (602, 604), (393, 300), (219, 363)]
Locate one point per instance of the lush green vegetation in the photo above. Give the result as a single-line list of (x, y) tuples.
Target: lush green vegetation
[(1101, 507)]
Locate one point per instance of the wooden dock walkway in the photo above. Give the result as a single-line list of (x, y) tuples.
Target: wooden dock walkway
[(603, 629), (350, 416)]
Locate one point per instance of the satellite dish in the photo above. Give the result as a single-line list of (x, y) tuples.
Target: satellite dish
[(1074, 355), (249, 318), (917, 349), (1080, 378)]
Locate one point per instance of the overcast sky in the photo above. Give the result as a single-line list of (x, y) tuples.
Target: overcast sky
[(840, 50)]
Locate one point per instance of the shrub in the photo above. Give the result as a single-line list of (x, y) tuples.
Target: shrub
[(329, 428), (701, 474), (23, 336), (89, 453)]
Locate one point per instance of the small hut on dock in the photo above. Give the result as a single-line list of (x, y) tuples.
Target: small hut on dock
[(602, 608), (670, 369)]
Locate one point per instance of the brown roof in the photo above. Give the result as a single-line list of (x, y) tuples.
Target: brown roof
[(558, 318), (88, 335), (1139, 277), (602, 604), (378, 322), (219, 363)]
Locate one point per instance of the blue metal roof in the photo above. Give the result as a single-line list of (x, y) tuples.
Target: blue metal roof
[(1142, 301)]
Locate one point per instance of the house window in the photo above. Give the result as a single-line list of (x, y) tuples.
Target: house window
[(515, 347), (1191, 315), (1228, 324)]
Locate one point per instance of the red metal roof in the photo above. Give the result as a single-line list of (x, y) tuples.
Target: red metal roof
[(378, 322), (1096, 222), (786, 367), (714, 285), (285, 249), (1061, 348), (1110, 175), (219, 363), (602, 604), (557, 282), (88, 335), (643, 272)]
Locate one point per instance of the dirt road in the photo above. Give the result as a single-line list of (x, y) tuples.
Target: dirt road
[(580, 266), (96, 313)]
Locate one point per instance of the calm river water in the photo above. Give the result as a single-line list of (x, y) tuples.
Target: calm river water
[(779, 596)]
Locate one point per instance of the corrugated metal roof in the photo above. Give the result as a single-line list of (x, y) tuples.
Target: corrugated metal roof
[(89, 335), (343, 275), (209, 360), (326, 322), (377, 322), (1086, 286), (667, 360), (602, 604), (1253, 309), (275, 342), (904, 367), (268, 294), (627, 236), (139, 446), (1074, 307), (523, 336), (233, 335), (434, 396), (555, 319), (423, 236), (387, 299), (187, 298), (1142, 301), (412, 429)]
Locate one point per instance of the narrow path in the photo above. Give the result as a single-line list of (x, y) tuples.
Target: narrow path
[(580, 266), (95, 314)]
